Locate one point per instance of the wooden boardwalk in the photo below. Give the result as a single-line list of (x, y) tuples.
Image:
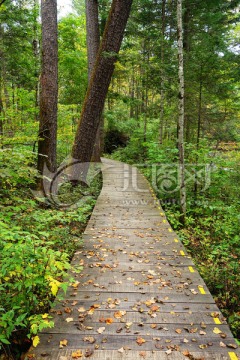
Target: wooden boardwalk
[(139, 295)]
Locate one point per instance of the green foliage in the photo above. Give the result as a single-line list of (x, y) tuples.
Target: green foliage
[(36, 245)]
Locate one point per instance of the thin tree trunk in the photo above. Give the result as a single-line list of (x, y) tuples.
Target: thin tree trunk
[(48, 88), (162, 94), (198, 133), (99, 83), (181, 114)]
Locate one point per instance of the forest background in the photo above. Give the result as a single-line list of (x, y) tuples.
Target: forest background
[(140, 127)]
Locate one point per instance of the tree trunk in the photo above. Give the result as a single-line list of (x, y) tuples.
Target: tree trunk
[(162, 94), (198, 133), (93, 43), (48, 87), (100, 81), (181, 115)]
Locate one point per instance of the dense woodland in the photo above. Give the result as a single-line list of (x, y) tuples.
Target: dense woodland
[(167, 102)]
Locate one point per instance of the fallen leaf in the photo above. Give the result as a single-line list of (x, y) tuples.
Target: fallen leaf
[(69, 320), (178, 331), (217, 331), (119, 314), (232, 346), (101, 330), (63, 343), (77, 354), (155, 308), (140, 341), (168, 352), (88, 352), (81, 309), (109, 321), (143, 354), (67, 310), (121, 350), (89, 339), (128, 325), (222, 344)]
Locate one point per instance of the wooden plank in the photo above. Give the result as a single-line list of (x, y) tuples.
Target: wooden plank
[(113, 342), (129, 355)]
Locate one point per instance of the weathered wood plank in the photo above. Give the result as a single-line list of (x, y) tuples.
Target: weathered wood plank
[(131, 355)]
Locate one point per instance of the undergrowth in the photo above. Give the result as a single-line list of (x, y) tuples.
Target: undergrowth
[(37, 243)]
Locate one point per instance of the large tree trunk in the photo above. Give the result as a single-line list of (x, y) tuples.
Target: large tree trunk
[(93, 44), (48, 87), (181, 114), (100, 81)]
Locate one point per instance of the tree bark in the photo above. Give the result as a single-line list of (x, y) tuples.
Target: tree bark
[(100, 81), (162, 81), (93, 34), (48, 87), (93, 44), (181, 114)]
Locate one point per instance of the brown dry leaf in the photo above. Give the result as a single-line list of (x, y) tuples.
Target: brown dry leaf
[(67, 310), (101, 330), (232, 346), (153, 326), (143, 354), (88, 352), (222, 344), (77, 354), (178, 331), (201, 332), (140, 341), (109, 321), (89, 339), (186, 353), (154, 308), (119, 314)]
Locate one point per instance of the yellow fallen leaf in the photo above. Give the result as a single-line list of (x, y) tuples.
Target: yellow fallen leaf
[(217, 331), (119, 314), (63, 343), (69, 320), (77, 354), (36, 341)]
